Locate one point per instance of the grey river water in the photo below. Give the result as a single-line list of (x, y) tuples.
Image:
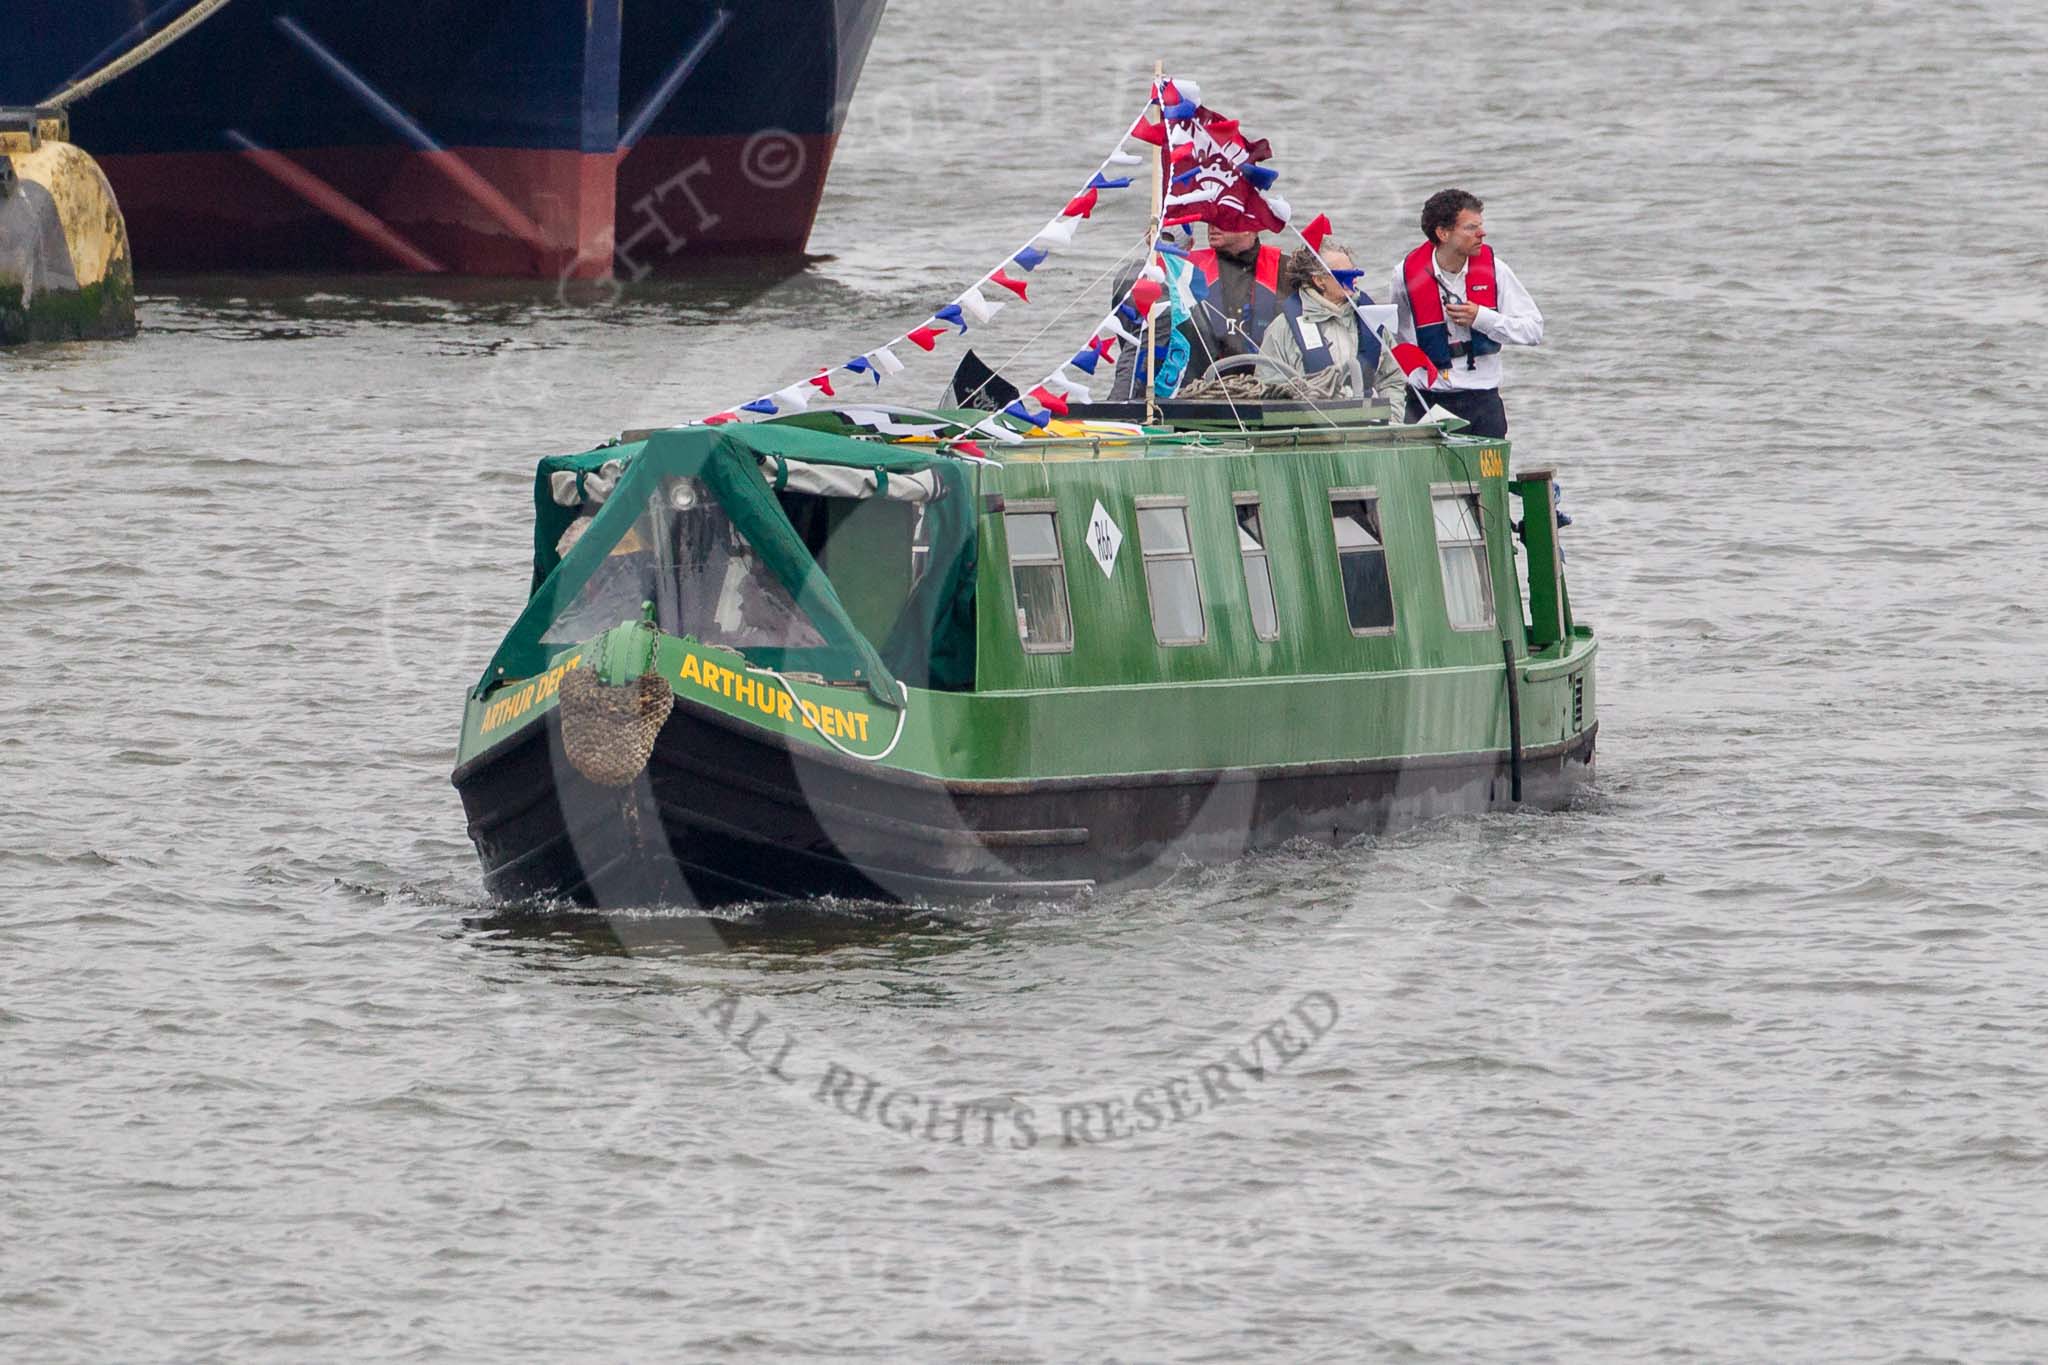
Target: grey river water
[(1745, 1059)]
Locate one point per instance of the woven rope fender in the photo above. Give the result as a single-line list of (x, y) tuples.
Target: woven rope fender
[(608, 732)]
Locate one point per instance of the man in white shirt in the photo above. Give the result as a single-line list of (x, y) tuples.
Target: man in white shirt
[(1460, 304)]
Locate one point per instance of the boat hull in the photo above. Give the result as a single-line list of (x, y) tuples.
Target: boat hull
[(402, 210), (728, 813), (529, 139)]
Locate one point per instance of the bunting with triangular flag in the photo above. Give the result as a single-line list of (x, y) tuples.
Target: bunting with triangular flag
[(1073, 389), (1221, 174), (1416, 366), (975, 306), (1022, 412), (1058, 233), (1047, 399)]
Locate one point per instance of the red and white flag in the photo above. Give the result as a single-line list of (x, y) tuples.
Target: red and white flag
[(1214, 182), (1415, 365)]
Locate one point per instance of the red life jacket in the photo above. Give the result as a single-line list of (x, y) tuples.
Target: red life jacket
[(1264, 304), (1426, 304)]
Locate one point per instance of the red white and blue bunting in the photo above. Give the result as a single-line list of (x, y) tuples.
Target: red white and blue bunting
[(1214, 174), (1010, 283)]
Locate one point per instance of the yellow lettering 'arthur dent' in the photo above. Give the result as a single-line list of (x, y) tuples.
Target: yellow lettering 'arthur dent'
[(760, 693), (515, 704), (765, 696)]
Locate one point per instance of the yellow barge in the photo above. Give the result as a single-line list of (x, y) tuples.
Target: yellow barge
[(65, 269)]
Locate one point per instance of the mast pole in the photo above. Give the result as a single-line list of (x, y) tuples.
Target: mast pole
[(1148, 370)]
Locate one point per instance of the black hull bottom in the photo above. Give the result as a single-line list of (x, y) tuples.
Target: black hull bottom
[(724, 814)]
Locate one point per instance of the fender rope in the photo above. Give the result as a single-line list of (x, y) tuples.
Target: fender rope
[(902, 714)]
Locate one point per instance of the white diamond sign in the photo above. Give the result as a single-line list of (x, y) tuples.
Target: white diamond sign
[(1104, 539)]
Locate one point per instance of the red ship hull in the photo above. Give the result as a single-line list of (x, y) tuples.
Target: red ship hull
[(476, 210)]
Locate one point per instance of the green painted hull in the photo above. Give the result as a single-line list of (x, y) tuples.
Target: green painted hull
[(1109, 763)]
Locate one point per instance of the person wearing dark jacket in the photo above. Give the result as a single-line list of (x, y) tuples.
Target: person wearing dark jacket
[(1243, 277), (1244, 290)]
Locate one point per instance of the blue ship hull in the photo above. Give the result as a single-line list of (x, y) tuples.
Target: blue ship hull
[(531, 137)]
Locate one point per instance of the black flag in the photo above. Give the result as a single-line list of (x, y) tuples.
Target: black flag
[(976, 386)]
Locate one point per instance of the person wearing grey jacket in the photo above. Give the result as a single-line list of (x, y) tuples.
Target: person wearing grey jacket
[(1320, 347)]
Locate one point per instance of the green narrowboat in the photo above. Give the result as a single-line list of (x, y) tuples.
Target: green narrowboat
[(795, 659)]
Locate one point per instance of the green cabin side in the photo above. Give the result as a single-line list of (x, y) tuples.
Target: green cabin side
[(1113, 698), (1313, 689), (1293, 485)]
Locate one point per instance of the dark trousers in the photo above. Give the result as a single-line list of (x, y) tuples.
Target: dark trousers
[(1481, 407)]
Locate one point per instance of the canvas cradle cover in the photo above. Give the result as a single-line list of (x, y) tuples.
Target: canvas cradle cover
[(743, 467)]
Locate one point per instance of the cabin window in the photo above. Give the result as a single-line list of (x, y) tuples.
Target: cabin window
[(1461, 546), (1170, 579), (687, 556), (615, 589), (1362, 560), (1258, 572), (1039, 579)]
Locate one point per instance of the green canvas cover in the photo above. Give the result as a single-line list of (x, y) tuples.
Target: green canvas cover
[(933, 641), (550, 518)]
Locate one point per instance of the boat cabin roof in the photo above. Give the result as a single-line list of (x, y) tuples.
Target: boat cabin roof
[(938, 590)]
